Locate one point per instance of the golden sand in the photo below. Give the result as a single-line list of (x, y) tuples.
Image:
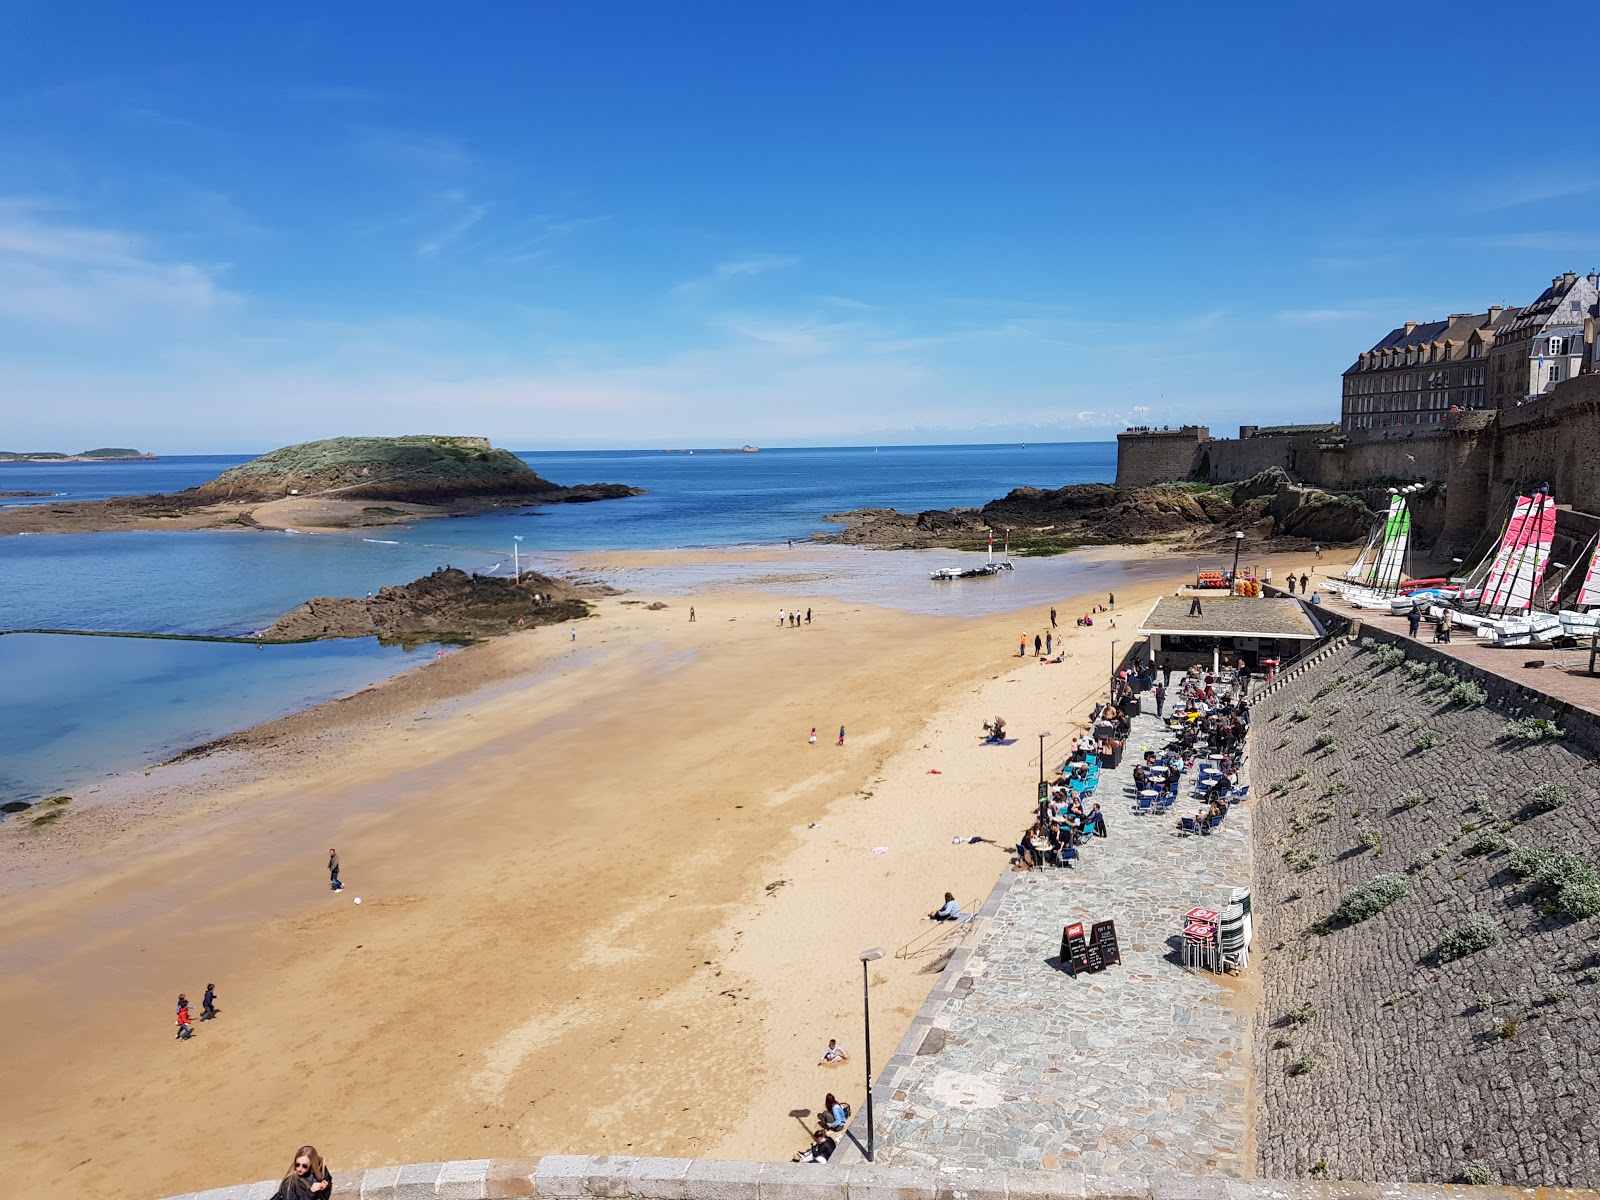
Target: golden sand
[(611, 902)]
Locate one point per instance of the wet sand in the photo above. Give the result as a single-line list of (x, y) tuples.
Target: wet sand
[(612, 899)]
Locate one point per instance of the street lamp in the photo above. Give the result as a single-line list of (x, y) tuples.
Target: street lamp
[(1113, 662), (866, 1015), (516, 560), (1042, 736), (1238, 544)]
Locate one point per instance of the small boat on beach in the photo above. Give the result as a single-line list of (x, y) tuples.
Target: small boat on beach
[(978, 572)]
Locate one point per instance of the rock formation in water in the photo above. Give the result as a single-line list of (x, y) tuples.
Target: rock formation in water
[(420, 469), (1043, 520), (448, 605)]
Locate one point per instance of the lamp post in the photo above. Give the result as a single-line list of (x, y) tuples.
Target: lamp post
[(1113, 662), (1238, 544), (866, 1015), (1044, 734), (516, 561)]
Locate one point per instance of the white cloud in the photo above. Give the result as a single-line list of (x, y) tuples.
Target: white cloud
[(466, 217), (54, 272)]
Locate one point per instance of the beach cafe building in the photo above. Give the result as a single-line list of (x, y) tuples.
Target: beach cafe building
[(1265, 631)]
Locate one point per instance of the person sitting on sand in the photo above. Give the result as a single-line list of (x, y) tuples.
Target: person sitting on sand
[(949, 911), (821, 1149), (834, 1114), (833, 1054)]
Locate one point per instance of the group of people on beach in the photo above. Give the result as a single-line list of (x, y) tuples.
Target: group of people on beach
[(792, 618), (208, 1011), (832, 1117)]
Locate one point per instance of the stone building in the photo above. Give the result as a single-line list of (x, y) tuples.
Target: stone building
[(1545, 343), (1418, 372)]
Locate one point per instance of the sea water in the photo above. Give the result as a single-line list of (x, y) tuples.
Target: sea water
[(73, 709), (140, 700)]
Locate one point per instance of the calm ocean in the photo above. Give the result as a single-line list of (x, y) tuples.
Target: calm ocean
[(76, 708)]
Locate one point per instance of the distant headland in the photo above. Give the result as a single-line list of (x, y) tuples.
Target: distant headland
[(103, 454), (329, 484)]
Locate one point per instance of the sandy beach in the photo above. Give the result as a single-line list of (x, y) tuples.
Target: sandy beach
[(612, 897)]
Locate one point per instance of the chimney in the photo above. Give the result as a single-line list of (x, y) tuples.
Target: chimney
[(1410, 325), (1569, 279), (1494, 313)]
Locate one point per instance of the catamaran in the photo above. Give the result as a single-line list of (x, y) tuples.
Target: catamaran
[(990, 567), (1376, 584)]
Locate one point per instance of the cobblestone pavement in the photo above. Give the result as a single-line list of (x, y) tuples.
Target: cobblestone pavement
[(1140, 1069)]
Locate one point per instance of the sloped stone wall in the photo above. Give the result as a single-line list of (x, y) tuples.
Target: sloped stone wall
[(1375, 1059)]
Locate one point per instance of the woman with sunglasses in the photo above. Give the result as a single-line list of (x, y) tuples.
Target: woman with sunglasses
[(308, 1177)]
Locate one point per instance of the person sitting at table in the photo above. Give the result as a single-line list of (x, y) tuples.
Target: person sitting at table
[(1027, 856), (1140, 776), (948, 911)]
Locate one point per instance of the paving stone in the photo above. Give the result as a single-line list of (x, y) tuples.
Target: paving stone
[(1032, 1054)]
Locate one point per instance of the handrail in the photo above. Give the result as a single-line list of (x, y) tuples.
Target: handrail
[(929, 938)]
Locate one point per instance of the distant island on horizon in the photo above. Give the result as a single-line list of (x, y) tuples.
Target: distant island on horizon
[(103, 454)]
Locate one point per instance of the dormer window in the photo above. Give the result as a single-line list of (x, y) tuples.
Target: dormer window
[(1558, 345)]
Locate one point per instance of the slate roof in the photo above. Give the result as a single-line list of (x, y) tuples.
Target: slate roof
[(1232, 616)]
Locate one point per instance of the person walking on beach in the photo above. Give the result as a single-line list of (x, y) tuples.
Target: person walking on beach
[(782, 616), (185, 1029), (1111, 601), (813, 735), (1038, 645), (1317, 550), (333, 871), (1305, 582), (808, 616), (208, 1003), (1022, 645), (1052, 618), (1291, 583), (1161, 697), (1048, 639), (841, 735), (691, 614)]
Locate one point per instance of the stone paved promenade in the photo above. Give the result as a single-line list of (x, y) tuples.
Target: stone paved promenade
[(1141, 1069)]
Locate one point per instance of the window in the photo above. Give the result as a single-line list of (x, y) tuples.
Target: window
[(1558, 345), (1555, 372)]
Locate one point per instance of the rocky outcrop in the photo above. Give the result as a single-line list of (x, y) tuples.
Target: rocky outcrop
[(420, 469), (1041, 520), (448, 605)]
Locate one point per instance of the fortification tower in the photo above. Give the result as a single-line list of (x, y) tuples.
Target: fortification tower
[(1146, 456)]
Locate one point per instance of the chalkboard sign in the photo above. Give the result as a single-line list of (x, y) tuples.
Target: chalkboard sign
[(1104, 937), (1094, 961), (1074, 949)]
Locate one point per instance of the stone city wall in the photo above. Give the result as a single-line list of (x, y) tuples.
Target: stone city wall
[(1379, 1054), (578, 1177), (1555, 441), (1147, 456)]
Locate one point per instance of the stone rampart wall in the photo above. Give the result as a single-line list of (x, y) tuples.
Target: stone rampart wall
[(1376, 1056), (578, 1177), (1554, 441), (1152, 456)]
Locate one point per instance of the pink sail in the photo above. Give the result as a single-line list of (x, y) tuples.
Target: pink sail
[(1590, 592), (1494, 583), (1529, 557)]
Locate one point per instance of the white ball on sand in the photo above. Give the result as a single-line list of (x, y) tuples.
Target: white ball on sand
[(358, 899)]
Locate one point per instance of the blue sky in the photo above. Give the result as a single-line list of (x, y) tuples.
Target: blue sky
[(230, 227)]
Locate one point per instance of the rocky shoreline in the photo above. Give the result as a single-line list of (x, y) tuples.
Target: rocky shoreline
[(1269, 508), (338, 483), (447, 606)]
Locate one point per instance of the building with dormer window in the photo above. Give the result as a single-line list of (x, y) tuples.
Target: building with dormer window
[(1549, 341), (1422, 370)]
